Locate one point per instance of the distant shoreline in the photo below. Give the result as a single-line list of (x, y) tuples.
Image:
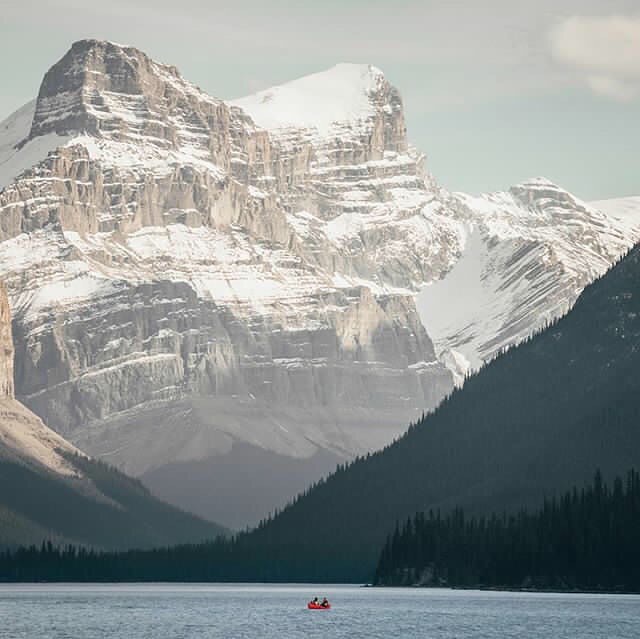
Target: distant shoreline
[(559, 591)]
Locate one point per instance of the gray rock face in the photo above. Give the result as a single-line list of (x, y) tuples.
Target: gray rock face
[(178, 300), (159, 343)]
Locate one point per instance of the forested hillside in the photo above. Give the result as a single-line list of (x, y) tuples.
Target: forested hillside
[(103, 508), (587, 540)]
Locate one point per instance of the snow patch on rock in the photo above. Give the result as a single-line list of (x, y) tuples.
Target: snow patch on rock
[(17, 152), (318, 101)]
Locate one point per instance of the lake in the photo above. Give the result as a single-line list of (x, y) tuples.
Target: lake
[(168, 611)]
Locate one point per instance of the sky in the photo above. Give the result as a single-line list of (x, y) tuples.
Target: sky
[(495, 91)]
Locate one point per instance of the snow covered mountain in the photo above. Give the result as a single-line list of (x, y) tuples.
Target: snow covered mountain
[(496, 268), (189, 275), (528, 253)]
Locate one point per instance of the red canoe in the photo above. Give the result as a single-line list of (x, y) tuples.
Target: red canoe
[(313, 606)]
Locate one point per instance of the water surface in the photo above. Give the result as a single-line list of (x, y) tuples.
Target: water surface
[(278, 612)]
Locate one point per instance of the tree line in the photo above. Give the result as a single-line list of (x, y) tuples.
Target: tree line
[(587, 540)]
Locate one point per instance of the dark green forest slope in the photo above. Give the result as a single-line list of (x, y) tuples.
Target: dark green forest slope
[(536, 421), (104, 509), (586, 540)]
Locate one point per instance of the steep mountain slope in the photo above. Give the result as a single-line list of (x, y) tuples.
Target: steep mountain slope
[(534, 422), (188, 275), (49, 490), (98, 506), (528, 253)]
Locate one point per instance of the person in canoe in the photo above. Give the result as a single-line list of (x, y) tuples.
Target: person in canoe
[(315, 604)]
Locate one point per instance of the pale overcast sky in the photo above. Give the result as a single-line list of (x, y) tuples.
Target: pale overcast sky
[(495, 91)]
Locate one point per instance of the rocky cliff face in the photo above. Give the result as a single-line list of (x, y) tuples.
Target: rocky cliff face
[(159, 258), (187, 274)]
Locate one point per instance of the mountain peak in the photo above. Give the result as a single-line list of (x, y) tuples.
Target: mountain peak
[(93, 43), (91, 51), (541, 190), (367, 75), (345, 94), (125, 108), (539, 181), (98, 84)]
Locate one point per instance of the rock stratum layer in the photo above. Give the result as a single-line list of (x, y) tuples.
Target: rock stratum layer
[(187, 273)]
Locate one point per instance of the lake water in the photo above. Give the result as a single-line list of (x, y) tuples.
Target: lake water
[(278, 612)]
